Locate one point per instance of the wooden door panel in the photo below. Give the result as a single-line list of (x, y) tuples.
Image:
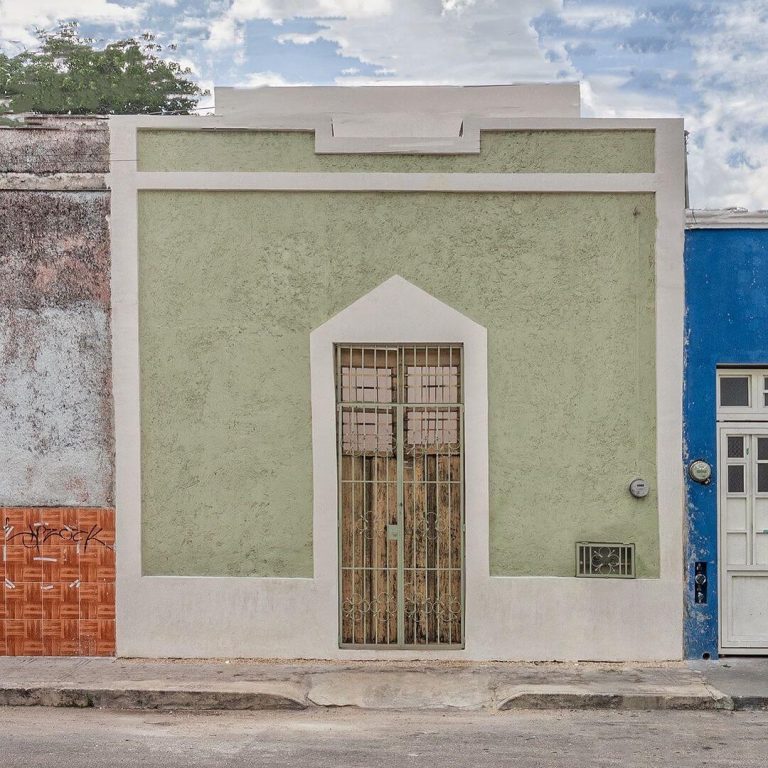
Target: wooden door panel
[(433, 549)]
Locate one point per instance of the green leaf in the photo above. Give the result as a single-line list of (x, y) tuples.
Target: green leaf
[(66, 74)]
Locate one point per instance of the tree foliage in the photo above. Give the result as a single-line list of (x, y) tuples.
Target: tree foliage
[(66, 74)]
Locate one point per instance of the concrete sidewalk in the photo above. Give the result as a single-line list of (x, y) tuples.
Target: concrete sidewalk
[(243, 685)]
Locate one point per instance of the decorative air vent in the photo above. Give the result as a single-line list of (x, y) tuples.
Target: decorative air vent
[(606, 561)]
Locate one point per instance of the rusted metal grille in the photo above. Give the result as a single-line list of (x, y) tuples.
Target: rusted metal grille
[(598, 559), (401, 500)]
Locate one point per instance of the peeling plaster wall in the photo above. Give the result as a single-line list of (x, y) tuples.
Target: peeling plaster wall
[(45, 145), (55, 381), (54, 415), (55, 249)]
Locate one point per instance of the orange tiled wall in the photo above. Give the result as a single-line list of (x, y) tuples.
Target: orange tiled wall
[(58, 571)]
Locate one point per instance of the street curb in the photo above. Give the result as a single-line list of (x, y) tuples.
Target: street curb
[(192, 700), (750, 703), (106, 698), (637, 702)]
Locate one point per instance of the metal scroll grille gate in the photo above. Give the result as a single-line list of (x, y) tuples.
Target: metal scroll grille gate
[(401, 495)]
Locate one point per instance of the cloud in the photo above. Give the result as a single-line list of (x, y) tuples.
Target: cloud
[(225, 34), (415, 41), (192, 23), (291, 9), (699, 58), (18, 18), (299, 39), (608, 96), (206, 104), (456, 6), (597, 16), (731, 121), (647, 44), (227, 31), (260, 79), (458, 43)]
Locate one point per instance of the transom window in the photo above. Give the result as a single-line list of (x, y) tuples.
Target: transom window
[(416, 376), (742, 394)]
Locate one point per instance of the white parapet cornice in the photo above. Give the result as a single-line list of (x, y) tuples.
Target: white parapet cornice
[(726, 218), (402, 111)]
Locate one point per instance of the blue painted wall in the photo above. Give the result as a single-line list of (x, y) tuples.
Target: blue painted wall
[(726, 274)]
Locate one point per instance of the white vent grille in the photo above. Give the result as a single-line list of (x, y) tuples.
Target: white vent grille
[(605, 560)]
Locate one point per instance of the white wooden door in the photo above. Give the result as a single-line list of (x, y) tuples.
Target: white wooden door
[(743, 525)]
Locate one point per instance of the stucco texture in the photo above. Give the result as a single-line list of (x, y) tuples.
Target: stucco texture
[(500, 152), (232, 283)]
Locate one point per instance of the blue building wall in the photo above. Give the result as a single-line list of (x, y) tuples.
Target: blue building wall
[(726, 274)]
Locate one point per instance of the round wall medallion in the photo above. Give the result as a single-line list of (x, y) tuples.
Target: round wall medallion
[(700, 471)]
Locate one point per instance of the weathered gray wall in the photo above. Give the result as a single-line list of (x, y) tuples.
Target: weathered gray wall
[(56, 445), (52, 145)]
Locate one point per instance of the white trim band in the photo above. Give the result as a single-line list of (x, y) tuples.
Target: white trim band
[(399, 182), (727, 218)]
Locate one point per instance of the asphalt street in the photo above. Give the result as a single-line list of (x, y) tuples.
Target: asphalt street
[(352, 738)]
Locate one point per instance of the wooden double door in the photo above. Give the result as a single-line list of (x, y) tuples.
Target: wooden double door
[(401, 495)]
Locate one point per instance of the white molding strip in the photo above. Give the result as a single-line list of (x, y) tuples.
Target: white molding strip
[(726, 218), (398, 182)]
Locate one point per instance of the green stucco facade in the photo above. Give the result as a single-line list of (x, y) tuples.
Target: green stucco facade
[(232, 283), (594, 151)]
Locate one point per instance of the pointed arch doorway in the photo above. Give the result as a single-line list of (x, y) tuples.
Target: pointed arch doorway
[(399, 316), (401, 495)]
